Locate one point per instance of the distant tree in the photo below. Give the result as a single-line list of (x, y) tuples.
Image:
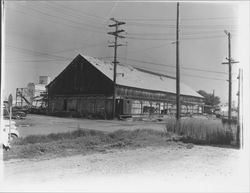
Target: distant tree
[(209, 98)]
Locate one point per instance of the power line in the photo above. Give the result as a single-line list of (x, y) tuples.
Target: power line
[(82, 47), (36, 52), (183, 19), (185, 38), (55, 22), (60, 20), (139, 24), (153, 47), (170, 66), (80, 12), (210, 32), (64, 18), (60, 51), (189, 75), (56, 60)]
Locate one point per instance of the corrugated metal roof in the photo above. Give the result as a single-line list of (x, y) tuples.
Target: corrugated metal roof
[(129, 76)]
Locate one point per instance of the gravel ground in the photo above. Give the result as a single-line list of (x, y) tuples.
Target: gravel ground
[(173, 168)]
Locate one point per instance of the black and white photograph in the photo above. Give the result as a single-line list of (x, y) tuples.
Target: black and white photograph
[(124, 96)]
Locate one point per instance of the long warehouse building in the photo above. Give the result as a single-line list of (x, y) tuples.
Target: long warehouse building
[(85, 88)]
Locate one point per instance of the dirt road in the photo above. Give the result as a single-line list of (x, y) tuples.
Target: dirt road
[(40, 124), (174, 168)]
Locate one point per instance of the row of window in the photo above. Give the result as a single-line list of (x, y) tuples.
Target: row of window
[(146, 107)]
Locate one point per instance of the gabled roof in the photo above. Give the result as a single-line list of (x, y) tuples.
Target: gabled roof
[(132, 77)]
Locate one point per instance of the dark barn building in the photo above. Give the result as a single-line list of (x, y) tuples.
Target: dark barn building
[(85, 88)]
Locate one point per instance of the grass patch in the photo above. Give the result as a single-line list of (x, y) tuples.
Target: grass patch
[(84, 141), (203, 131), (32, 139), (81, 141)]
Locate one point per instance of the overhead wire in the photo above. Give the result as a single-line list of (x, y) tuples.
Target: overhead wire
[(150, 48), (65, 18), (53, 60), (82, 25), (171, 66), (50, 54), (185, 33), (80, 12), (173, 40), (131, 37), (138, 24), (85, 46), (38, 53), (55, 22), (189, 75), (183, 19), (77, 14), (165, 65)]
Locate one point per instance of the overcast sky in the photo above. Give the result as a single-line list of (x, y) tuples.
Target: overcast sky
[(42, 37)]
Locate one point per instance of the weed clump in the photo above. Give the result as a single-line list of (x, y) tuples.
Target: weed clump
[(32, 139), (82, 141), (202, 131)]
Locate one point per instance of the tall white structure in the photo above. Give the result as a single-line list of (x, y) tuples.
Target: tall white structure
[(45, 80)]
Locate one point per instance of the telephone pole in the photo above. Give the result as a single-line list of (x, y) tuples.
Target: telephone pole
[(177, 69), (230, 62), (239, 94), (115, 62), (213, 102)]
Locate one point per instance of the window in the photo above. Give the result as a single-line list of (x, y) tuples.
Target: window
[(146, 107), (155, 108), (136, 107)]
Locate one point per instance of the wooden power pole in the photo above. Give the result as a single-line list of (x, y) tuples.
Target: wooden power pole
[(177, 69), (230, 62), (115, 62), (239, 135), (213, 101)]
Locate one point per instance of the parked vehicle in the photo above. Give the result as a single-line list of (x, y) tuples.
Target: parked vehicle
[(25, 109), (10, 132), (16, 113)]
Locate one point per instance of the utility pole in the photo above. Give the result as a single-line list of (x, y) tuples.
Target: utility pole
[(239, 131), (213, 102), (115, 62), (230, 62), (177, 69)]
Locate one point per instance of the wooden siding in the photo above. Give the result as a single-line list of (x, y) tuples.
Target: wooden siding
[(141, 94), (81, 88), (84, 106), (80, 77)]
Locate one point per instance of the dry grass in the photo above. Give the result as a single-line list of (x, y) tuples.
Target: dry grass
[(82, 141), (203, 131)]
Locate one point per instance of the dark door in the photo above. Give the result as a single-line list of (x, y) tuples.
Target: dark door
[(119, 107), (65, 105)]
